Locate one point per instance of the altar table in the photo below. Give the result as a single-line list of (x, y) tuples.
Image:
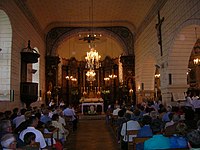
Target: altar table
[(90, 104)]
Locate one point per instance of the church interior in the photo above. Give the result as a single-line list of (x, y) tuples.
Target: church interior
[(94, 55)]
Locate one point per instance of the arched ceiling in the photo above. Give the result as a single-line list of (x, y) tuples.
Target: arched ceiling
[(47, 14)]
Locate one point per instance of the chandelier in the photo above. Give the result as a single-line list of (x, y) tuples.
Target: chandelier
[(90, 75), (93, 59)]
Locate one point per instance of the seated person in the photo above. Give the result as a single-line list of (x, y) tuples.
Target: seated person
[(178, 140), (62, 132), (32, 124), (29, 141), (120, 120), (156, 123), (8, 142), (193, 138), (5, 127), (129, 125), (51, 129), (145, 131), (171, 129), (158, 141), (45, 117)]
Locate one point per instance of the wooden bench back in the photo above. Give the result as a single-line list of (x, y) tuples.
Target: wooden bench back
[(137, 140)]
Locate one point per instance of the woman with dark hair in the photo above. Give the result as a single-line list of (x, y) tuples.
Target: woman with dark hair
[(145, 131), (29, 141)]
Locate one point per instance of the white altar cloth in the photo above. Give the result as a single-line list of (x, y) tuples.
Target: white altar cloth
[(89, 104)]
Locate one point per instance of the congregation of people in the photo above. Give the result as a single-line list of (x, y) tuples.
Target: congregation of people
[(166, 127), (26, 128)]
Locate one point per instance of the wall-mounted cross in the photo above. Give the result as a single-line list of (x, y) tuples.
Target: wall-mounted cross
[(159, 34)]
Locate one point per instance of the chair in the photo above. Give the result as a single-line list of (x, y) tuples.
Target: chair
[(131, 132), (51, 137), (137, 140)]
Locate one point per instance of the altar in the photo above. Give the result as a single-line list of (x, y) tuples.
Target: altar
[(91, 102)]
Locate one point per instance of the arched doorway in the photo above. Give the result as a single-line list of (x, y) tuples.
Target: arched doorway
[(179, 57)]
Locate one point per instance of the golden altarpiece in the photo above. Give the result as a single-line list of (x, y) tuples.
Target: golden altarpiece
[(106, 85)]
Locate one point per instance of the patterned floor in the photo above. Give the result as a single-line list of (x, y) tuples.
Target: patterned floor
[(92, 134)]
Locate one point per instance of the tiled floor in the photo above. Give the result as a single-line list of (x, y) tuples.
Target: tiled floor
[(92, 135)]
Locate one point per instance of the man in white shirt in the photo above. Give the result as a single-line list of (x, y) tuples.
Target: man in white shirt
[(115, 111), (129, 125), (33, 121)]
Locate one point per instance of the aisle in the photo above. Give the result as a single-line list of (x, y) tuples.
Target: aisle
[(92, 135)]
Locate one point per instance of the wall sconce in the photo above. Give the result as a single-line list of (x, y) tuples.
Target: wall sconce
[(112, 76), (157, 75), (106, 79), (71, 78), (139, 89)]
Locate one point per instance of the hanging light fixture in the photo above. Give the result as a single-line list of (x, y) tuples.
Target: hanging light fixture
[(91, 75), (93, 57)]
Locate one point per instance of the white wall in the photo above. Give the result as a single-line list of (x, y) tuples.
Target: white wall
[(22, 31)]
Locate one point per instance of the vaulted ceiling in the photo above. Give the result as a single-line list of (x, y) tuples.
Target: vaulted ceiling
[(47, 14), (53, 13)]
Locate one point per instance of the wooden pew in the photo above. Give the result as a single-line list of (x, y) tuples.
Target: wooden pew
[(131, 132), (137, 140)]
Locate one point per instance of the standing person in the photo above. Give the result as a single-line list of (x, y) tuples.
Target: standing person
[(62, 103), (69, 112), (52, 103)]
